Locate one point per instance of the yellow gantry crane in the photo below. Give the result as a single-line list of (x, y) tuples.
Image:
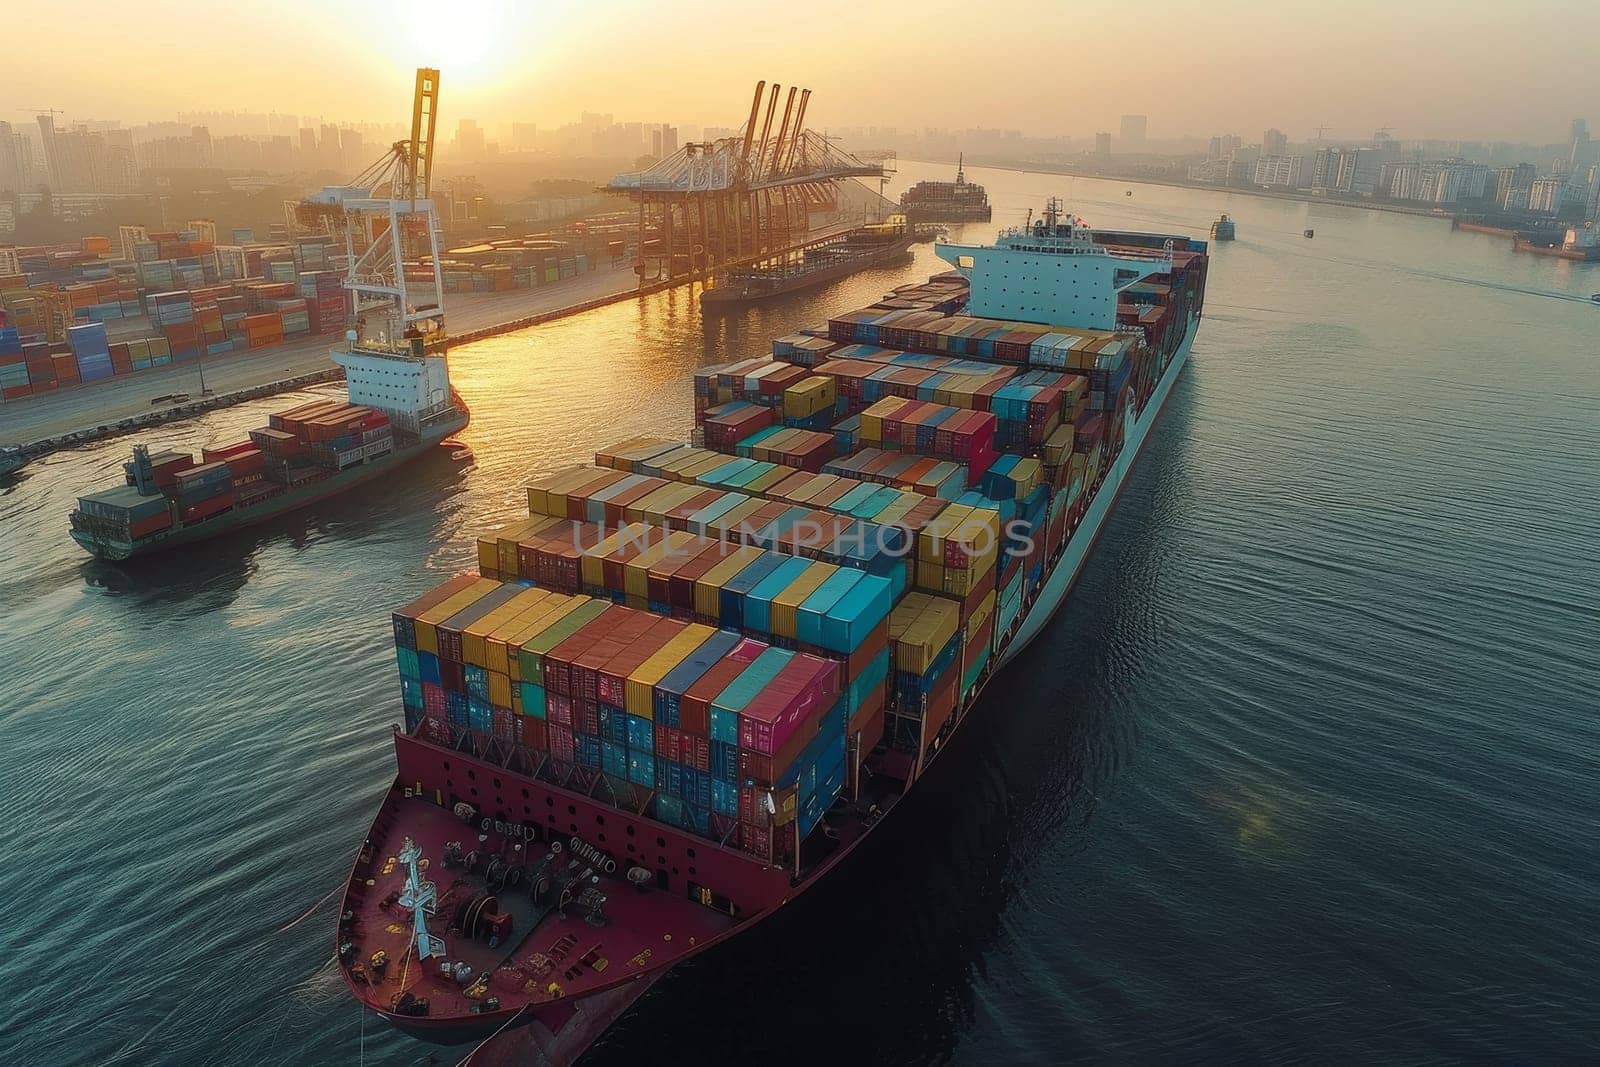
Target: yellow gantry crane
[(387, 219)]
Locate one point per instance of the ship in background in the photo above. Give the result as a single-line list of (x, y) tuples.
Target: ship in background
[(957, 201), (399, 402), (879, 244), (616, 755)]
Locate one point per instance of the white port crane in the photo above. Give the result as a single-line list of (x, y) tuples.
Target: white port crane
[(386, 217)]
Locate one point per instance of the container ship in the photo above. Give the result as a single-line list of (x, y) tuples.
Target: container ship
[(957, 201), (699, 674), (873, 245), (399, 405)]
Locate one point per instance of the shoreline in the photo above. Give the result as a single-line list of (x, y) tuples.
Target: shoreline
[(1265, 194), (281, 381)]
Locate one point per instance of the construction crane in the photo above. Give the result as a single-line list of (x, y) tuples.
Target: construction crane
[(386, 218)]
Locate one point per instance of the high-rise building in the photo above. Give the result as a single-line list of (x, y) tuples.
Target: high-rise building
[(1545, 195), (1511, 185), (1134, 128), (524, 135), (469, 139), (1277, 172), (669, 140), (1102, 144), (11, 173), (1348, 171), (1223, 146), (1578, 144), (350, 148), (1274, 142)]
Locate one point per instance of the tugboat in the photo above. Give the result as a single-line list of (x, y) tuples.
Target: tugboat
[(1222, 229)]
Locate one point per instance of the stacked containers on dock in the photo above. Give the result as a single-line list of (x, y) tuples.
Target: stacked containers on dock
[(14, 380), (90, 351)]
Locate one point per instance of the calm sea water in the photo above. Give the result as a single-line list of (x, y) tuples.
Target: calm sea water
[(1306, 768)]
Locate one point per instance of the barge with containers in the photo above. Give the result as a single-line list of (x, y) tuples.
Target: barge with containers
[(399, 404), (957, 201), (873, 245), (697, 675)]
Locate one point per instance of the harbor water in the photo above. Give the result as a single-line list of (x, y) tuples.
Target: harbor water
[(1305, 768)]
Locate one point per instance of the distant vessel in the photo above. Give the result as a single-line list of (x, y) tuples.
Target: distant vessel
[(1595, 298), (1128, 193), (11, 460), (1311, 233), (1222, 229), (957, 201), (837, 257)]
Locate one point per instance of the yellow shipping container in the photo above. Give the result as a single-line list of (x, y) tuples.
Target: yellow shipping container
[(708, 587), (873, 417), (1028, 473), (539, 489), (735, 516), (474, 639), (499, 690), (591, 555), (490, 552), (500, 643), (897, 509), (786, 605), (638, 691), (809, 396), (427, 635), (636, 572), (653, 507), (706, 465), (926, 634), (536, 625), (761, 484)]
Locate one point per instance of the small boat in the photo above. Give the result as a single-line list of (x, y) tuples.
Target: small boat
[(1311, 233), (13, 460), (1128, 193), (1222, 229), (1595, 298)]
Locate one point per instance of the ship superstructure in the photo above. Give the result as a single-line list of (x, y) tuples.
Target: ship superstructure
[(698, 674)]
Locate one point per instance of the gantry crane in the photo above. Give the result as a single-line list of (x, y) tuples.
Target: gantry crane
[(387, 219)]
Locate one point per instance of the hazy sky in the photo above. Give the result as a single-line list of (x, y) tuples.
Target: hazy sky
[(1487, 69)]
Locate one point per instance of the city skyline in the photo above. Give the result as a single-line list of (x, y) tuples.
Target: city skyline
[(504, 63)]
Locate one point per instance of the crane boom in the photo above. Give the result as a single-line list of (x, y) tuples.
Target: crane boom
[(424, 115)]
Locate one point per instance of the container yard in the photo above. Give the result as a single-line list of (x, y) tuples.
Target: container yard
[(747, 647), (158, 309)]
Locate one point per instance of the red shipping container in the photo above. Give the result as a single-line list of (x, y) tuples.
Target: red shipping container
[(805, 688), (207, 508), (562, 746), (535, 733), (586, 717), (505, 724), (147, 526), (614, 675)]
